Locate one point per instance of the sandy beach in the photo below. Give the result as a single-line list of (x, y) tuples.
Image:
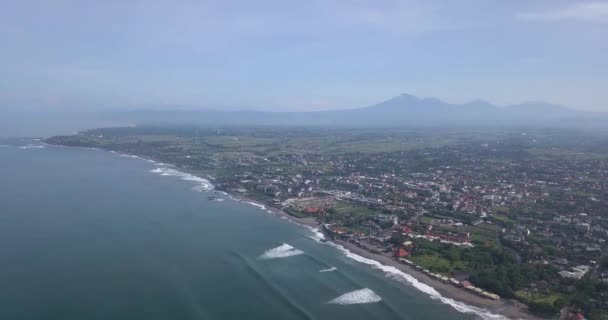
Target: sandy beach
[(508, 308)]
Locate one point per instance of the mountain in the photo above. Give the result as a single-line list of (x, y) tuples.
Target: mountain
[(403, 110)]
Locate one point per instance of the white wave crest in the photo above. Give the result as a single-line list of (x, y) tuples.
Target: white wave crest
[(282, 251), (318, 235), (397, 274), (261, 206), (124, 155), (329, 269), (357, 297), (32, 146), (202, 184)]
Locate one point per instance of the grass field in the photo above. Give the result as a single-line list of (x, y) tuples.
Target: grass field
[(347, 208), (529, 298)]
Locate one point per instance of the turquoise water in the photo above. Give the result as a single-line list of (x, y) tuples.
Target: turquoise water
[(88, 234)]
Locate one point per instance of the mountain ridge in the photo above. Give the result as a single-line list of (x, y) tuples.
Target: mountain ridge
[(402, 110)]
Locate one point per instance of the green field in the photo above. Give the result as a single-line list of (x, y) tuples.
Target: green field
[(353, 209)]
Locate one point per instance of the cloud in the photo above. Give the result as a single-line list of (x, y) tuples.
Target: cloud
[(585, 11)]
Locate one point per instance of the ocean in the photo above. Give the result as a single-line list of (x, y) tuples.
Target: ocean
[(89, 234)]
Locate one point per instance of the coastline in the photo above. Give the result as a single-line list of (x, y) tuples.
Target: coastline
[(509, 309), (463, 301), (483, 307), (490, 309)]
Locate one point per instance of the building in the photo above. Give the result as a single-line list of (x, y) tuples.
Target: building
[(401, 253), (582, 227), (576, 273)]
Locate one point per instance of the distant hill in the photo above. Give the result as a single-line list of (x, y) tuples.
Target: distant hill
[(403, 110)]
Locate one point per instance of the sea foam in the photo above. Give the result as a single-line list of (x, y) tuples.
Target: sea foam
[(282, 251), (329, 269), (397, 274), (124, 155), (357, 297), (202, 184), (317, 234), (260, 206), (32, 146)]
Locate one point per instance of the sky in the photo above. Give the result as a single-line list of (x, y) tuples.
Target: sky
[(301, 55)]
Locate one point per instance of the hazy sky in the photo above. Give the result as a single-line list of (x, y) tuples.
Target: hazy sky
[(301, 55)]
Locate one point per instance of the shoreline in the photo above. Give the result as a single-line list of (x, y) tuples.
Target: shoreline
[(507, 308), (504, 308), (490, 309)]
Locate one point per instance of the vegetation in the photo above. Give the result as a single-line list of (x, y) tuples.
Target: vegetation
[(516, 197)]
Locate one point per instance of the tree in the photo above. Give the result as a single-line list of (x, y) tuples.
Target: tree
[(543, 308)]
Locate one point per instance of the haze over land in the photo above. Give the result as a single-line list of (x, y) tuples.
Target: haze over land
[(344, 160), (403, 110)]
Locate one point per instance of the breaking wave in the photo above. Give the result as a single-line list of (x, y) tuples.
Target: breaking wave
[(281, 294), (282, 251), (397, 274), (32, 146), (202, 184), (357, 297), (123, 155), (261, 206), (329, 269), (318, 235)]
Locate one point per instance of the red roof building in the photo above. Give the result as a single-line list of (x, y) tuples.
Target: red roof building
[(401, 253), (312, 210)]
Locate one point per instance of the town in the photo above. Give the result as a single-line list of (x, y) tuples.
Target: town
[(504, 214)]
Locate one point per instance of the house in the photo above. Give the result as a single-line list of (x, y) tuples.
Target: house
[(312, 210), (401, 253), (582, 227)]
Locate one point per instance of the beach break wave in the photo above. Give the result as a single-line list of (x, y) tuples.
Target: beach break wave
[(282, 251), (357, 297), (397, 274)]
